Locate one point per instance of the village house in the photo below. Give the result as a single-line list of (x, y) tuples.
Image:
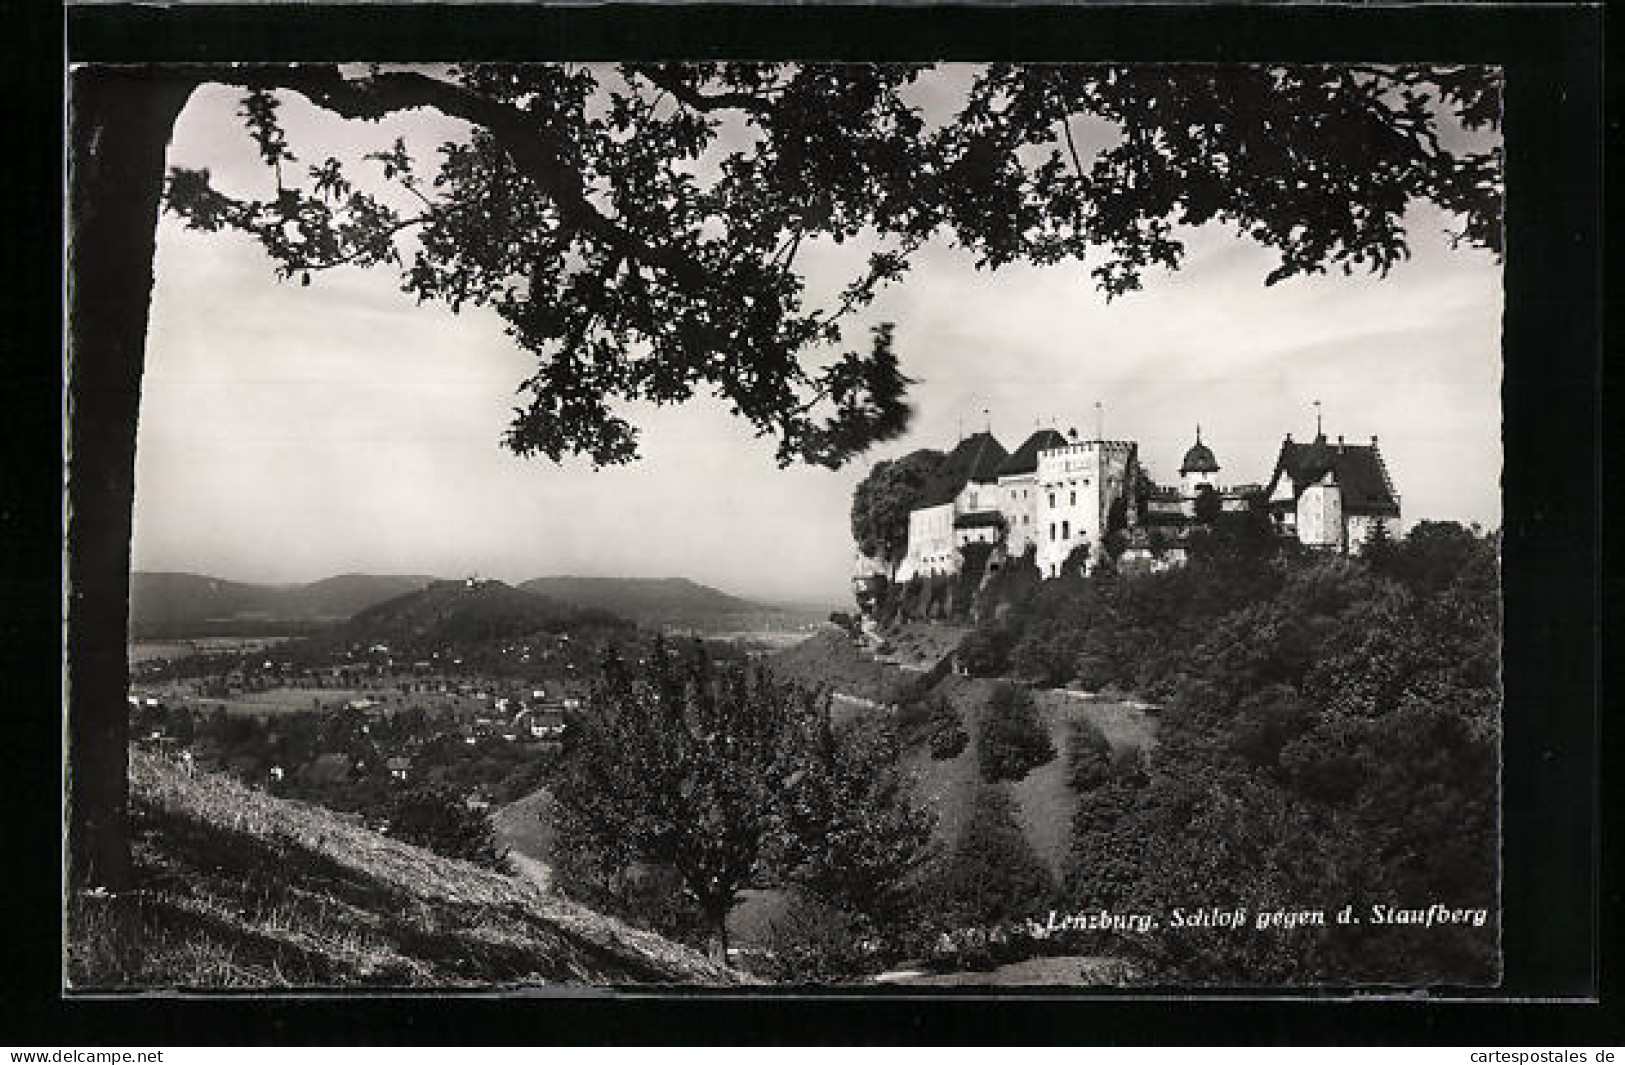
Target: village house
[(1332, 496)]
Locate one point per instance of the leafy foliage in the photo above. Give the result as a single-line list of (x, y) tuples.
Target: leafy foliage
[(1208, 505), (947, 739), (855, 838), (985, 651), (725, 779), (1010, 739), (637, 229), (1088, 756), (993, 875), (816, 943), (882, 501), (684, 768), (1332, 736), (436, 818)]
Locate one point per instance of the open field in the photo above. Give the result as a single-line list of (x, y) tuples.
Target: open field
[(156, 650)]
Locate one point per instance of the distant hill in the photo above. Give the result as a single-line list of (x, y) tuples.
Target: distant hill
[(238, 889), (665, 602), (466, 612), (178, 605), (188, 604), (346, 595)]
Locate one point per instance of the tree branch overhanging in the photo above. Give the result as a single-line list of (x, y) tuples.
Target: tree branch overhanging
[(537, 153), (663, 77)]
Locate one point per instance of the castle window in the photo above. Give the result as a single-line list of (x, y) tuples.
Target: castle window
[(1052, 499), (1052, 530), (1074, 499), (1066, 530)]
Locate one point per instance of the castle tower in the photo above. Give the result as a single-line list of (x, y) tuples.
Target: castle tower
[(1076, 484), (1199, 468)]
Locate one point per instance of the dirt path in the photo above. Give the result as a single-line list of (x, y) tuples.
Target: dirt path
[(536, 872)]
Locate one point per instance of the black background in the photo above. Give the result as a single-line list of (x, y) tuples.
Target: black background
[(1557, 914)]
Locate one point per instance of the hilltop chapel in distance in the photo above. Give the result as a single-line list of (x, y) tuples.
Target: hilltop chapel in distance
[(1057, 493)]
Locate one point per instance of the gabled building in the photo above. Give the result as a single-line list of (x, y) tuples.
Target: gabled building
[(965, 484), (1332, 496)]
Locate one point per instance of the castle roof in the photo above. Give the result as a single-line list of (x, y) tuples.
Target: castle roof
[(1199, 459), (1357, 469), (976, 458), (1025, 457)]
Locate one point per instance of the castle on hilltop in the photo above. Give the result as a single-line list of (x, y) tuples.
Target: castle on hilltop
[(1057, 494)]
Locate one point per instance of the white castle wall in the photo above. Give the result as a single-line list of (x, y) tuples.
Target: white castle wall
[(1076, 485), (930, 543), (1320, 515), (1018, 505)]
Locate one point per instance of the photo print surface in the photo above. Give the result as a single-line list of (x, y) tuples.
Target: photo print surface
[(786, 525)]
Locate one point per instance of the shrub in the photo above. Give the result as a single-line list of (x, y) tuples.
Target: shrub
[(915, 710), (1093, 672), (1011, 741), (816, 943), (1265, 722), (435, 818), (985, 652), (993, 874), (1088, 756), (947, 738)]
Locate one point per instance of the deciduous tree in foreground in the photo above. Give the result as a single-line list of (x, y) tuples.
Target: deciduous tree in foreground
[(732, 780)]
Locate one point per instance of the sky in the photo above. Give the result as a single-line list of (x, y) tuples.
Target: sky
[(290, 433)]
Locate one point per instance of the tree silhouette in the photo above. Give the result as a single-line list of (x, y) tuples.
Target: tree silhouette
[(882, 501), (627, 243)]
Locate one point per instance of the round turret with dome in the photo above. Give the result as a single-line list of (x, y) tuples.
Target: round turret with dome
[(1200, 467)]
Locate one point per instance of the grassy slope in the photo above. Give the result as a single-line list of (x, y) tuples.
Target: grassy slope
[(920, 645), (239, 889), (828, 659), (1044, 800)]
